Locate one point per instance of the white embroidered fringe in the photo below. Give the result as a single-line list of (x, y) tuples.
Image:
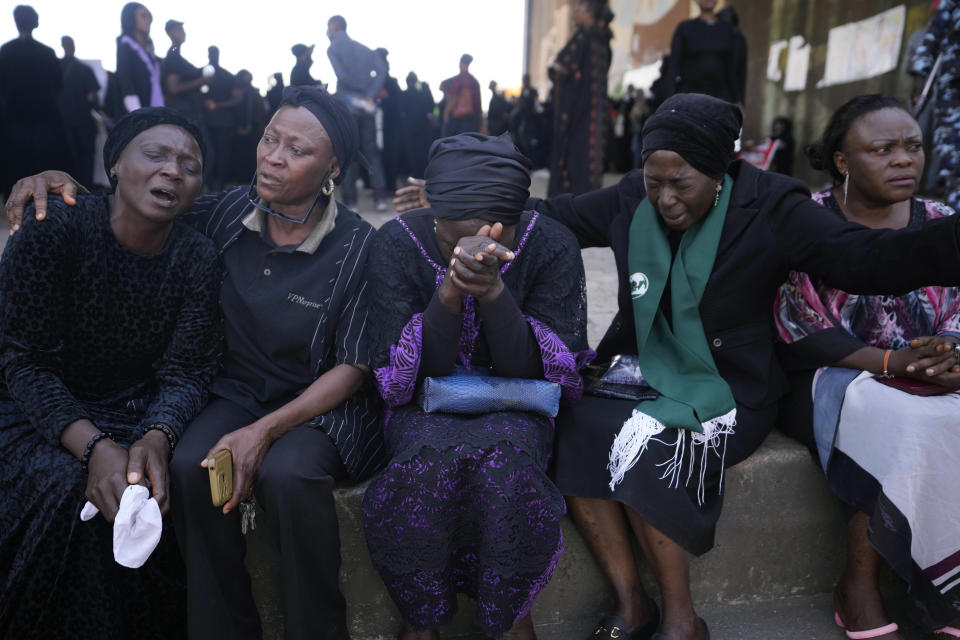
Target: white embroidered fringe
[(640, 429)]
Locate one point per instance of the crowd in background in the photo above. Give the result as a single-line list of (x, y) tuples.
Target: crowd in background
[(52, 112)]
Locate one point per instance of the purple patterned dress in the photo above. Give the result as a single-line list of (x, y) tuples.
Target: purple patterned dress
[(465, 505)]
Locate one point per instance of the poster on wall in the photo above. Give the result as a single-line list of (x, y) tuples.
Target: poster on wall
[(864, 49), (774, 65), (798, 63)]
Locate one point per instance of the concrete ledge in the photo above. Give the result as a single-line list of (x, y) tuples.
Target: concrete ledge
[(780, 535)]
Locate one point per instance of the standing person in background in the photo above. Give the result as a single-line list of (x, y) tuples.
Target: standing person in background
[(300, 74), (390, 107), (529, 125), (138, 69), (274, 94), (251, 118), (782, 131), (417, 126), (78, 97), (360, 77), (580, 115), (943, 39), (221, 119), (498, 113), (703, 57), (461, 106), (30, 124), (732, 18), (181, 80)]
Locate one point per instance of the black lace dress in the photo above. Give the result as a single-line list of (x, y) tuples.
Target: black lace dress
[(91, 330), (465, 504)]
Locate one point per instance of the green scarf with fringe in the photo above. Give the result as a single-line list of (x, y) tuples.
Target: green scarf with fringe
[(674, 357)]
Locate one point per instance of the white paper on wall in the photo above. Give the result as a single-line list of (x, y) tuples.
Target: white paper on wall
[(864, 49)]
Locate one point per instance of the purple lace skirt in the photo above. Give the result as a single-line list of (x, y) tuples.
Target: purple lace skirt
[(464, 506)]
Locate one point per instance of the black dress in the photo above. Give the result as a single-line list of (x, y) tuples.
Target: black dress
[(580, 112), (706, 57), (772, 226), (91, 330)]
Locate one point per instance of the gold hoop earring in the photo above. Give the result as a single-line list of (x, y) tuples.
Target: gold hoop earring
[(716, 197), (327, 187), (846, 185)]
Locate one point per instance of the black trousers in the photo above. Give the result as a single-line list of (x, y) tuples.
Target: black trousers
[(367, 128), (220, 147), (294, 486)]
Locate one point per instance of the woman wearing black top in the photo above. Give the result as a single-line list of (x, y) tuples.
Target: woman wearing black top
[(109, 331), (704, 57)]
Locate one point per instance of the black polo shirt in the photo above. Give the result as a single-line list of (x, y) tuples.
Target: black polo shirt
[(277, 304)]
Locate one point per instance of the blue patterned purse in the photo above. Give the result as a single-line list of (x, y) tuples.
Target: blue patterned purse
[(479, 392)]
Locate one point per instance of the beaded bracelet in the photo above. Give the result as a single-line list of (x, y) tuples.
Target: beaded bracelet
[(88, 451), (166, 430)]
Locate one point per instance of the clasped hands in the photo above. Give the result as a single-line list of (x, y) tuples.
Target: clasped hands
[(474, 269), (929, 359)]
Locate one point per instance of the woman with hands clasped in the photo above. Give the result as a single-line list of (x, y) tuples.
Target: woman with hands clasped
[(109, 329), (465, 504), (889, 453)]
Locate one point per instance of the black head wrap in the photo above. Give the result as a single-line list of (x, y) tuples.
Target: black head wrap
[(136, 122), (476, 176), (700, 128), (334, 115)]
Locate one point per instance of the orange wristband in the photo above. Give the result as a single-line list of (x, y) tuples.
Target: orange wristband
[(886, 362)]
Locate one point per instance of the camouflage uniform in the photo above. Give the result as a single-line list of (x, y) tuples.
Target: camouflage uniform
[(943, 36)]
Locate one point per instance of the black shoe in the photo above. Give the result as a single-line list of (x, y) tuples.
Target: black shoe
[(615, 628)]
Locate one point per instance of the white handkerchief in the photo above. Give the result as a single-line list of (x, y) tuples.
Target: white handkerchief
[(137, 527)]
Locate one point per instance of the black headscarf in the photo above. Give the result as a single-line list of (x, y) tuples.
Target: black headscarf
[(700, 128), (136, 122), (334, 115), (476, 176)]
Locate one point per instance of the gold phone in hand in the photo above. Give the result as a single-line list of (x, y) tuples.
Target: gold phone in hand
[(220, 468)]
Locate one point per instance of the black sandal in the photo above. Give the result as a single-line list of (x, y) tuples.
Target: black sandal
[(615, 628)]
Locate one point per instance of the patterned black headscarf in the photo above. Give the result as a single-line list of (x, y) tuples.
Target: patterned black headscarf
[(476, 176), (136, 122), (334, 115), (700, 128)]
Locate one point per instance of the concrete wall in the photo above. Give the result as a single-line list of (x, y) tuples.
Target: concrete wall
[(643, 28), (811, 108)]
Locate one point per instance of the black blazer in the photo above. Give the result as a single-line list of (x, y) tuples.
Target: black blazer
[(772, 226)]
